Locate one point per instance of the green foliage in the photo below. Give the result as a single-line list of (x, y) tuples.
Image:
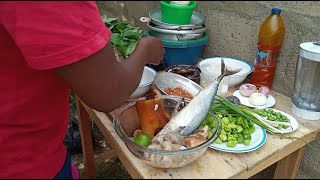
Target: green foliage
[(124, 36)]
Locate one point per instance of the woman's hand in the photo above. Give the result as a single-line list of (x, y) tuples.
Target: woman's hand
[(154, 49)]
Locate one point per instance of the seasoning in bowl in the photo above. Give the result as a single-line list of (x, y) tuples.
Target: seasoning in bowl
[(178, 91)]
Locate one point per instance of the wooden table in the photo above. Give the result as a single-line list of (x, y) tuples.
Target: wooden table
[(213, 164)]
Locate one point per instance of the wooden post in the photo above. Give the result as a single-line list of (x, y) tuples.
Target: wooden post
[(288, 167), (86, 140)]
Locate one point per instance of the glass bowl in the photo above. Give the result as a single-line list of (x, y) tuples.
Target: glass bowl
[(126, 122)]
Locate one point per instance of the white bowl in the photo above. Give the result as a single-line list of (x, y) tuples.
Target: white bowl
[(234, 80), (145, 83)]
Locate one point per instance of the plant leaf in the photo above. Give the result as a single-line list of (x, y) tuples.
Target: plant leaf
[(131, 34), (130, 48), (108, 21), (121, 25), (114, 38), (124, 36), (122, 49)]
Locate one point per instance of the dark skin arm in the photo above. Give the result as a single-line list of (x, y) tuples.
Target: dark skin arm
[(102, 82)]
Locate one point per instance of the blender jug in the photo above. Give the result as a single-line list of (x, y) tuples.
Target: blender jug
[(306, 97)]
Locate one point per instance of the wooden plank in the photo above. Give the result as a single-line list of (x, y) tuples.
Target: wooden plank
[(261, 162), (106, 128), (272, 151), (288, 167), (86, 141), (214, 164), (276, 148)]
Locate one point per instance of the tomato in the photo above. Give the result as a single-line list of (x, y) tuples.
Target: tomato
[(143, 140)]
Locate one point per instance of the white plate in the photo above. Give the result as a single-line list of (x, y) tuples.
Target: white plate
[(245, 101), (294, 123), (258, 138)]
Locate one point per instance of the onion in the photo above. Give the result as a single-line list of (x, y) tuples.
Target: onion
[(257, 99), (247, 89), (264, 90)]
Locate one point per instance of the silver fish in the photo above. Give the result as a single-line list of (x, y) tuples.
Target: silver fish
[(190, 117)]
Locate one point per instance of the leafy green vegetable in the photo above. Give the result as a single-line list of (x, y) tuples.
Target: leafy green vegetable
[(124, 36), (108, 20)]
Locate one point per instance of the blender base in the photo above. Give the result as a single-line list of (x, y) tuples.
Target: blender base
[(305, 114)]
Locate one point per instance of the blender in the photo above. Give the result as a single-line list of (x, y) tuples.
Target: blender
[(306, 97)]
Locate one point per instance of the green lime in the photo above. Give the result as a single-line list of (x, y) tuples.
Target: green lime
[(143, 140)]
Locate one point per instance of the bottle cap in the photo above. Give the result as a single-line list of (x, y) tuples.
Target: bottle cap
[(276, 11)]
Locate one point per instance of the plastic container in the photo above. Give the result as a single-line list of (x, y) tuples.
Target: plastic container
[(271, 36), (175, 14), (183, 52)]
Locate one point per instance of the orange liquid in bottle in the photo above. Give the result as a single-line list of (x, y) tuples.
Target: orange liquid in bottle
[(264, 69), (271, 36)]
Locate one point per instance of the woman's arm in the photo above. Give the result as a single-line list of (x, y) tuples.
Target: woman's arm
[(102, 82)]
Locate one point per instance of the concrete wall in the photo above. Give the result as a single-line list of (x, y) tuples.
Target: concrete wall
[(233, 32)]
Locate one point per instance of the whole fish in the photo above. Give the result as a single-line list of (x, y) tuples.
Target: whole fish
[(190, 117)]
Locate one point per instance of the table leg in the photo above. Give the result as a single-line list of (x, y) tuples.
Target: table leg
[(288, 167), (86, 141)]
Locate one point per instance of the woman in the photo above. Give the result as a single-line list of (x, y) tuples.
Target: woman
[(46, 49)]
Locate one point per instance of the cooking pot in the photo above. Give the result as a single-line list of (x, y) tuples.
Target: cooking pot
[(197, 21), (177, 35)]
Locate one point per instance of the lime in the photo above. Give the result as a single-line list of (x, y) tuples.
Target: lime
[(143, 140)]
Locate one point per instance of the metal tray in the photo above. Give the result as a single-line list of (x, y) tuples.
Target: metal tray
[(165, 80)]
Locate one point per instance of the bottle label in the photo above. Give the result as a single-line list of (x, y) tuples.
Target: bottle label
[(267, 57)]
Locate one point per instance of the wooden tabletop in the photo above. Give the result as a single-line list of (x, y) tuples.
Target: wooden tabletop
[(216, 164)]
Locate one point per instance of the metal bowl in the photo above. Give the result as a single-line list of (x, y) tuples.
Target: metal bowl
[(165, 80), (152, 27), (127, 121), (176, 35), (197, 21)]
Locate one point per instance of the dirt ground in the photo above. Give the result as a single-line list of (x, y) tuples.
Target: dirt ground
[(109, 169)]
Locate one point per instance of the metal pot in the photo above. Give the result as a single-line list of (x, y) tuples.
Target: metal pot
[(197, 21), (177, 35)]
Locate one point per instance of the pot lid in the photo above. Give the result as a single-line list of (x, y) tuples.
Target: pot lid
[(310, 50)]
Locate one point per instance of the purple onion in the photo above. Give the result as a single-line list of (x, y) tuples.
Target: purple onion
[(264, 90), (247, 89)]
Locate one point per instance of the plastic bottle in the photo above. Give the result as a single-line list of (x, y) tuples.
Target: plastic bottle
[(271, 36)]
